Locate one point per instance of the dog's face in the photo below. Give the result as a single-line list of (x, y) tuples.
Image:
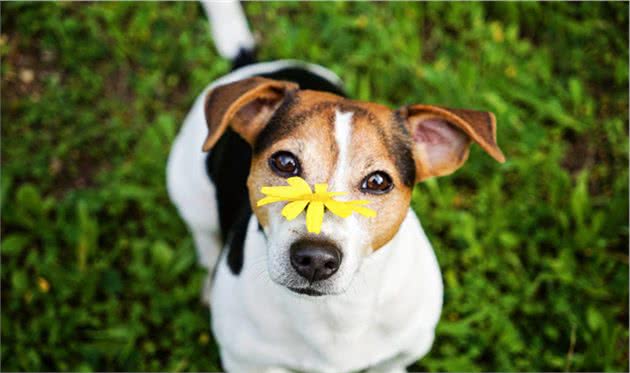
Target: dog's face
[(364, 149), (354, 147)]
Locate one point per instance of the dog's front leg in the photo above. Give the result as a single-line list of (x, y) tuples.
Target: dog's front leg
[(396, 364), (232, 364)]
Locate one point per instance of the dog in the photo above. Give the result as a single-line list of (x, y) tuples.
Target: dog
[(365, 293)]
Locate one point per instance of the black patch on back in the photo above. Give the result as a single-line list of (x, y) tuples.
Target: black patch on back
[(227, 166), (306, 80), (243, 58), (236, 241)]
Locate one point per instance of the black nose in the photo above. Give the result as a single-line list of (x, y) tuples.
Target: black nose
[(315, 260)]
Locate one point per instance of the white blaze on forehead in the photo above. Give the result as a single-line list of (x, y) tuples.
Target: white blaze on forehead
[(343, 132)]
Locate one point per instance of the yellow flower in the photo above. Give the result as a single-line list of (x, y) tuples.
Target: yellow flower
[(43, 284), (204, 338), (300, 197)]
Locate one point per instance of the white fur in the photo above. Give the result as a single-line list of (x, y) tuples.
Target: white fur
[(384, 321), (189, 187), (343, 133), (346, 233), (387, 304), (229, 27)]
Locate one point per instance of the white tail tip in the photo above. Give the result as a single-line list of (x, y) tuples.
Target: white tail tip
[(229, 27)]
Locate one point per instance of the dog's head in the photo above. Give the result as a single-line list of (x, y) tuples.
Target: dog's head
[(365, 149)]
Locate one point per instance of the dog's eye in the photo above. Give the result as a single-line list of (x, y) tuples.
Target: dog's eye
[(284, 164), (377, 182)]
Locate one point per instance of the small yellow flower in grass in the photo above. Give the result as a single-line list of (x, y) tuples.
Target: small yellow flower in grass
[(300, 197), (204, 338), (43, 284)]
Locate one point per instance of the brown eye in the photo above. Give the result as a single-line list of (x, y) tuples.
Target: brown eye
[(377, 182), (284, 164)]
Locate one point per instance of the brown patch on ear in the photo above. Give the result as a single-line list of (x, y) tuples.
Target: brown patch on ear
[(479, 125), (246, 104), (442, 137)]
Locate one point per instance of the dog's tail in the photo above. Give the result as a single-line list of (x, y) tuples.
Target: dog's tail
[(230, 32)]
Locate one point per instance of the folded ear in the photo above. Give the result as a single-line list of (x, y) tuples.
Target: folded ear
[(246, 105), (442, 137)]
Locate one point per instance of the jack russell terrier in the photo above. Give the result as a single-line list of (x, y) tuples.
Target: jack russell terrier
[(364, 293)]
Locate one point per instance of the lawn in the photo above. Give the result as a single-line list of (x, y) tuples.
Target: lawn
[(99, 273)]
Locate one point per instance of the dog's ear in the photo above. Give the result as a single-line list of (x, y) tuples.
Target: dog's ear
[(442, 137), (246, 105)]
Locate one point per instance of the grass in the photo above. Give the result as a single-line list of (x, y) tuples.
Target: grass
[(99, 273)]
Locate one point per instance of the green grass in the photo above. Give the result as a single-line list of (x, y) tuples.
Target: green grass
[(99, 273)]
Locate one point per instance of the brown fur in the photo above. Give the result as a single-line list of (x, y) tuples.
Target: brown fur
[(248, 104), (477, 126), (313, 142)]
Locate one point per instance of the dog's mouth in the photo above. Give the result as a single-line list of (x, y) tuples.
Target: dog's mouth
[(307, 291)]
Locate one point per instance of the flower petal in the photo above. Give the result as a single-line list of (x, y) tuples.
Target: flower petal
[(339, 208), (284, 192), (314, 217), (299, 184), (364, 211), (293, 209), (321, 188), (267, 200)]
